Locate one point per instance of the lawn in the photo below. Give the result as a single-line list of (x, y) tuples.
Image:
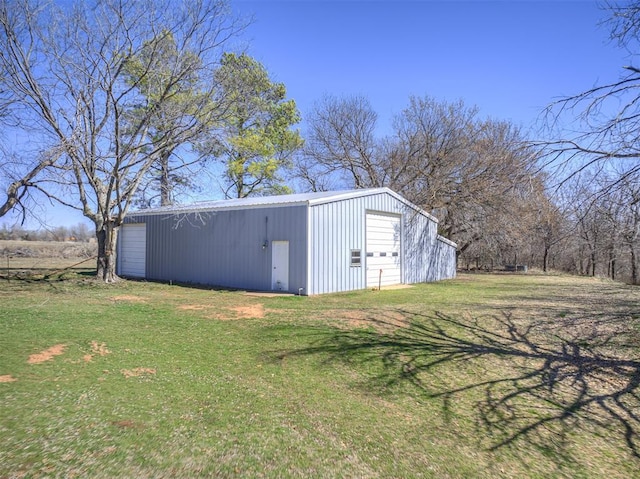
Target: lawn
[(482, 376)]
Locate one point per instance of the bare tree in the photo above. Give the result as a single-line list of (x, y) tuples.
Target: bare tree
[(477, 176), (605, 119), (599, 161), (341, 147), (603, 224), (65, 84), (550, 227), (631, 229)]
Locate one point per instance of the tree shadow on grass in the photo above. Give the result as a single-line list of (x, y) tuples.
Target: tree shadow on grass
[(526, 383)]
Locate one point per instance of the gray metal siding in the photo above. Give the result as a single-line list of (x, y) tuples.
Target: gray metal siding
[(337, 227), (446, 254), (224, 248), (426, 257)]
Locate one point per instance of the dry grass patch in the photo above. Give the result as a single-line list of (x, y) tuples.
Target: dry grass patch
[(137, 372), (129, 298), (247, 312), (124, 424), (381, 320), (252, 311), (7, 378), (97, 349), (193, 307), (47, 354)]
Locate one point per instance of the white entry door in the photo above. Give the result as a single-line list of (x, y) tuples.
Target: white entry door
[(280, 265)]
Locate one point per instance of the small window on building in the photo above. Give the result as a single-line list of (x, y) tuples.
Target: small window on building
[(369, 255), (356, 259), (383, 254), (395, 253)]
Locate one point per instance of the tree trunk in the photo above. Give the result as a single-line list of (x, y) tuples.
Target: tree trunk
[(165, 182), (107, 237), (612, 266), (634, 266), (545, 259)]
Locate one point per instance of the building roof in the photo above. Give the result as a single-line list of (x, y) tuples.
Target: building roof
[(308, 199)]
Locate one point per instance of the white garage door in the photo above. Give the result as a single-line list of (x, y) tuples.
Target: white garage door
[(133, 250), (383, 250)]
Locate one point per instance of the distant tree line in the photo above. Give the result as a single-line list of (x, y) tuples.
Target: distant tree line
[(78, 233), (597, 177)]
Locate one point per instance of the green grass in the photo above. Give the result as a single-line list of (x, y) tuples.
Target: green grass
[(482, 376)]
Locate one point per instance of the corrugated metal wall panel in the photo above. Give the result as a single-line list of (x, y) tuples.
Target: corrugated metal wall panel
[(338, 227), (224, 248)]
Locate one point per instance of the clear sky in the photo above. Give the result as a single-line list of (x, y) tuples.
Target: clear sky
[(509, 58)]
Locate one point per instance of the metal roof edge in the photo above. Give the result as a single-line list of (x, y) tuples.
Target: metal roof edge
[(194, 208), (346, 195), (412, 205), (447, 241), (376, 191)]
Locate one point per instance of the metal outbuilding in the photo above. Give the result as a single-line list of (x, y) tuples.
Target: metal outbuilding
[(309, 243)]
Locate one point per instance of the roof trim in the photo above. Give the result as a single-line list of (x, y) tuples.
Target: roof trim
[(446, 241), (298, 199), (209, 207), (347, 195), (368, 192)]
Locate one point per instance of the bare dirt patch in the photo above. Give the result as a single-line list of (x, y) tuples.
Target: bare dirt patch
[(97, 349), (251, 311), (137, 372), (47, 354), (7, 378)]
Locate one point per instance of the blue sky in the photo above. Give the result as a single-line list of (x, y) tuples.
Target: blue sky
[(509, 58)]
